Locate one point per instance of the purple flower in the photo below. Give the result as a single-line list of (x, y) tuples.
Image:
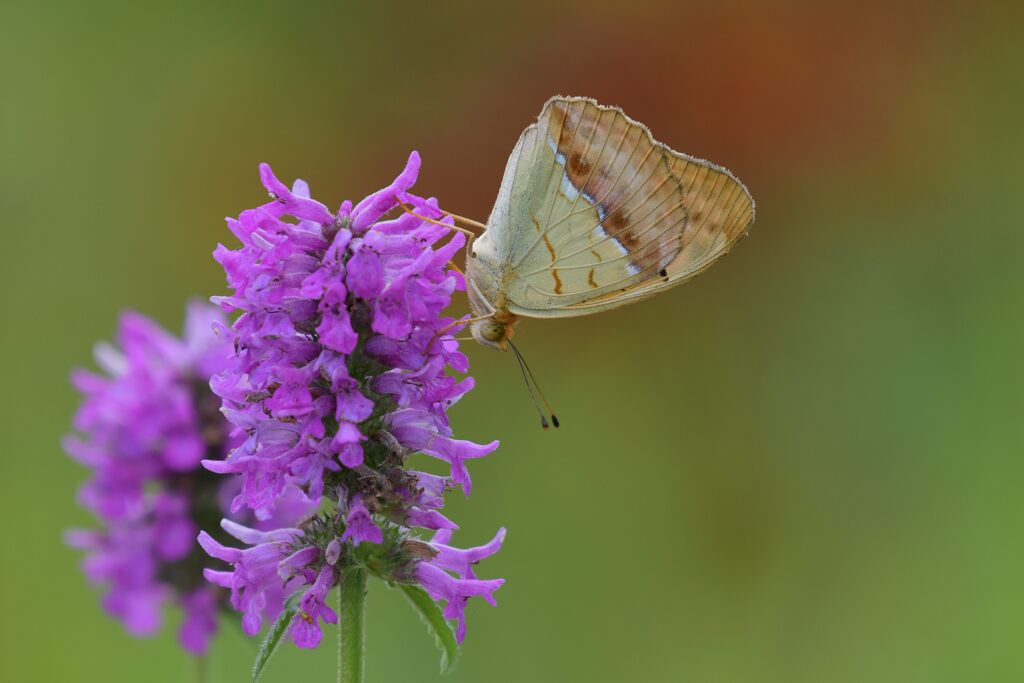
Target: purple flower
[(143, 421), (339, 373), (143, 429), (359, 526), (461, 561), (305, 625), (424, 431), (441, 585), (255, 581), (435, 579), (200, 620), (121, 558)]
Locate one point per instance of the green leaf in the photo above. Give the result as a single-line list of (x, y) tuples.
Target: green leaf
[(275, 635), (430, 614)]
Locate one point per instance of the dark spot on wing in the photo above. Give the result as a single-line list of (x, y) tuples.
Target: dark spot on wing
[(578, 166), (617, 225), (590, 279), (558, 281)]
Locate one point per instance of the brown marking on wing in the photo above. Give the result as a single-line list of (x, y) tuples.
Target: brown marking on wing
[(566, 125), (558, 281), (614, 163), (596, 255), (577, 165), (590, 279), (617, 224), (536, 223), (551, 249), (646, 249)]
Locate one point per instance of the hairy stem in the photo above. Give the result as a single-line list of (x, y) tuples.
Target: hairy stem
[(352, 626)]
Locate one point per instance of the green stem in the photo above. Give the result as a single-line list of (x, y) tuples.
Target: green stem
[(352, 626), (202, 669)]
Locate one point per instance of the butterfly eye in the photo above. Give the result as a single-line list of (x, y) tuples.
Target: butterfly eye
[(492, 331)]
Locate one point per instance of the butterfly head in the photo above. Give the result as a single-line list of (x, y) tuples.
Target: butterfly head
[(490, 332)]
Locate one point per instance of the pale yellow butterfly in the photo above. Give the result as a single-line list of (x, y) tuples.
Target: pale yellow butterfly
[(593, 213)]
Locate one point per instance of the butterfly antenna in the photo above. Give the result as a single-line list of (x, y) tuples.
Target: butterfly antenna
[(529, 387), (531, 382)]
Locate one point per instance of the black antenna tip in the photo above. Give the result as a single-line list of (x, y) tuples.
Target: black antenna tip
[(554, 420)]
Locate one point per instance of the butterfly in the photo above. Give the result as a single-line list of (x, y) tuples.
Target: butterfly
[(593, 213)]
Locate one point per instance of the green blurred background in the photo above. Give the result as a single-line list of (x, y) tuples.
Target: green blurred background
[(803, 466)]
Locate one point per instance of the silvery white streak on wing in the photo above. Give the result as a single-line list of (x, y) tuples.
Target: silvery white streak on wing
[(559, 157), (568, 189), (602, 235)]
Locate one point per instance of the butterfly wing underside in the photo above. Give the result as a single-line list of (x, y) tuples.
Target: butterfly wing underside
[(593, 213)]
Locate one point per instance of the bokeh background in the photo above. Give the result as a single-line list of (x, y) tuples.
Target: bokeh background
[(806, 465)]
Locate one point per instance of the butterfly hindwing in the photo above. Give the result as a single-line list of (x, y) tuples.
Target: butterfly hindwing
[(593, 213), (720, 212)]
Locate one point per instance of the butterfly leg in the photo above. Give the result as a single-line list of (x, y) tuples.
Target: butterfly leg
[(409, 211), (454, 266), (469, 221), (457, 323)]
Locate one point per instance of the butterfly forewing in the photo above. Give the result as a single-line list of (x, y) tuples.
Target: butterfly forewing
[(603, 209)]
